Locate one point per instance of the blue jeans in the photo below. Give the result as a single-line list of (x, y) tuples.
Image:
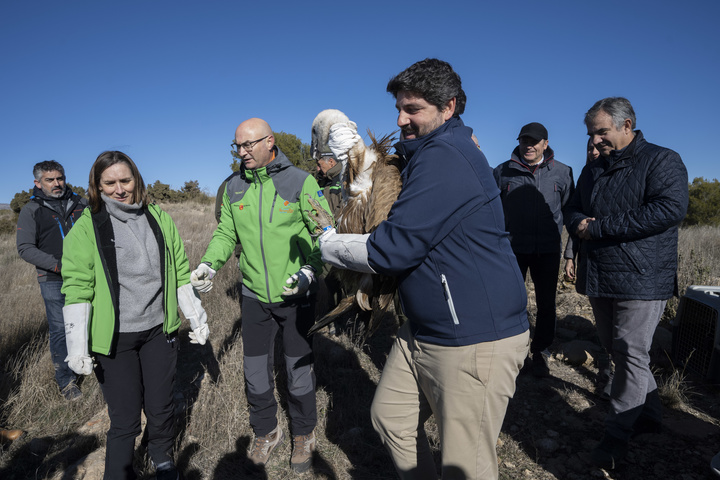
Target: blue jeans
[(626, 329), (54, 303)]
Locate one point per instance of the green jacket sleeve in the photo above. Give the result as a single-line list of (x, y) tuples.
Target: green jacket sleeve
[(79, 257), (224, 238), (311, 188)]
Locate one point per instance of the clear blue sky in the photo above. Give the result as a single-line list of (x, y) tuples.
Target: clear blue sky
[(167, 82)]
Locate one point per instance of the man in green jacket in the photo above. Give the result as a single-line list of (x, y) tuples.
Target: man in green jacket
[(264, 207)]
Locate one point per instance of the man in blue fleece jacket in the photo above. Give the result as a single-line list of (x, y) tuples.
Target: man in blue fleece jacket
[(466, 337)]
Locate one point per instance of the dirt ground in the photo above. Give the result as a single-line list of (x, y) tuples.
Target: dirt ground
[(552, 423)]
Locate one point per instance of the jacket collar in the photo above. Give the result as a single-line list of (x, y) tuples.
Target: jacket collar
[(628, 154), (280, 163), (334, 171), (63, 205)]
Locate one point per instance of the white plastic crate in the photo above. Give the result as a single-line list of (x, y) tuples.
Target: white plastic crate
[(696, 336)]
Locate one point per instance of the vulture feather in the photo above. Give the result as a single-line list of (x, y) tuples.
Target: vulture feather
[(371, 181)]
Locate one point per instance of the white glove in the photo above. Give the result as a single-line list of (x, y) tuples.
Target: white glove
[(300, 282), (345, 250), (76, 318), (201, 278), (189, 303), (343, 136)]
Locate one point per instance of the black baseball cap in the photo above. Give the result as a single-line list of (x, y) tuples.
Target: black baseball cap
[(535, 131)]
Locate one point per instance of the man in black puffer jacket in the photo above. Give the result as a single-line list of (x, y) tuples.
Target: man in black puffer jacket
[(626, 209)]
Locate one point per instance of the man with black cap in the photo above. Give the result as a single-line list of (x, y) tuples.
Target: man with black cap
[(534, 187)]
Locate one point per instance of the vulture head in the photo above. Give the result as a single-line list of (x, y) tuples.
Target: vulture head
[(321, 130)]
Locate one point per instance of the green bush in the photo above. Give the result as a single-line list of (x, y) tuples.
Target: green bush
[(8, 222), (704, 204), (159, 192)]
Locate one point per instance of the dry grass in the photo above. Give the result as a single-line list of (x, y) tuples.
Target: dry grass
[(213, 424)]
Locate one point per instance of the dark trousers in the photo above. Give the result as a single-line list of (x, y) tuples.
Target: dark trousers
[(544, 268), (260, 324), (139, 375)]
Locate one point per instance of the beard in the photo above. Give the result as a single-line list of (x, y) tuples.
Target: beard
[(56, 194)]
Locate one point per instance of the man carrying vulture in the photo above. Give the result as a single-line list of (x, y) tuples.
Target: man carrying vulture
[(466, 337)]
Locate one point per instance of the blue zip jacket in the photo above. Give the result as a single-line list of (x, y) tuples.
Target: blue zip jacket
[(445, 240)]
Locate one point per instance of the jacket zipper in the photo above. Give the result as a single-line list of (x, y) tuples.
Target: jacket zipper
[(262, 247), (449, 299), (272, 209)]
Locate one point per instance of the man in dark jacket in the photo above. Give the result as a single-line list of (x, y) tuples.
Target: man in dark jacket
[(534, 187), (42, 226), (626, 210), (329, 179), (466, 337)]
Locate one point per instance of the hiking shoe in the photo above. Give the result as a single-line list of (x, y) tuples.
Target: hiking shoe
[(715, 464), (609, 452), (71, 392), (263, 446), (7, 436), (540, 367), (167, 471), (303, 446)]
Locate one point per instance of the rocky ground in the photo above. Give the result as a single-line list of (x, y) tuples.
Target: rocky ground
[(553, 422)]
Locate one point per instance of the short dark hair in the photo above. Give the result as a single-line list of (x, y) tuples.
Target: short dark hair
[(104, 161), (47, 166), (434, 80), (619, 108)]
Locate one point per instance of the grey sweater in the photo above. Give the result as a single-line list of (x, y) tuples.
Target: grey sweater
[(139, 267)]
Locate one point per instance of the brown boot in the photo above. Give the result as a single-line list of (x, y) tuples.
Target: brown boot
[(303, 446), (263, 446), (7, 436)]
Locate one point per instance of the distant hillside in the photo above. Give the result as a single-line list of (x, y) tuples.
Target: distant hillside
[(4, 206)]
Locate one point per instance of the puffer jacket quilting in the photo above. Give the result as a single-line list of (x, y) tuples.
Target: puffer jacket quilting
[(638, 202)]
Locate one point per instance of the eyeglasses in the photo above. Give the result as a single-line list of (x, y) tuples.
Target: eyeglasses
[(248, 146)]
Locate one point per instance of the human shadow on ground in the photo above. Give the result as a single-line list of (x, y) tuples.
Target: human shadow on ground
[(41, 457), (237, 465), (347, 421)]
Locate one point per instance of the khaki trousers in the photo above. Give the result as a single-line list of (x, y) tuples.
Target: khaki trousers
[(466, 388)]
